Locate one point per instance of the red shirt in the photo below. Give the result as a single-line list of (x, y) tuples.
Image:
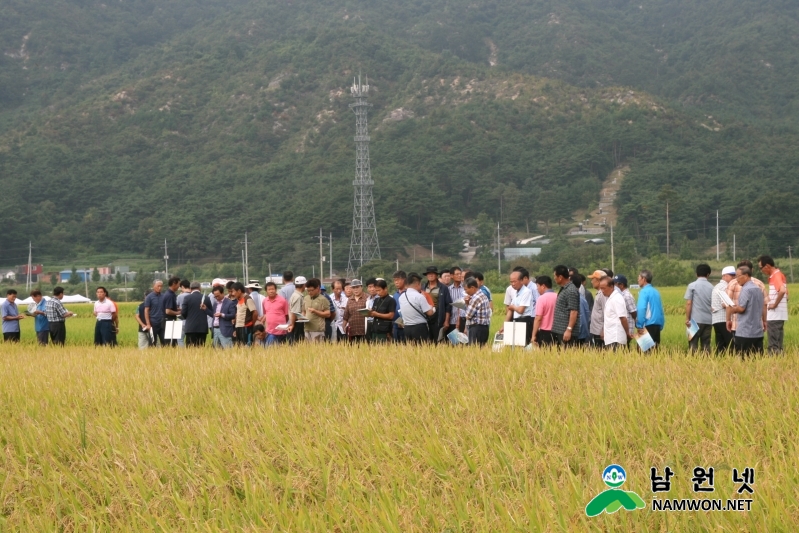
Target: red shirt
[(275, 312)]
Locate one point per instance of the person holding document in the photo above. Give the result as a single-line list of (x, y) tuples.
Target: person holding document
[(616, 330), (751, 312), (650, 308), (355, 324), (718, 306), (698, 315)]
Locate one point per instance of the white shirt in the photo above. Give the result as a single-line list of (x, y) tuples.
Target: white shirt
[(340, 306), (370, 302), (781, 312), (412, 302), (523, 298), (510, 292), (614, 311), (719, 312), (258, 298)]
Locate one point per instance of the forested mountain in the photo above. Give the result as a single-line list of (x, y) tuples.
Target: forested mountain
[(124, 123)]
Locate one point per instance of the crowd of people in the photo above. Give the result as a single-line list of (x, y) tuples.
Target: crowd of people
[(429, 307), (304, 310), (50, 317)]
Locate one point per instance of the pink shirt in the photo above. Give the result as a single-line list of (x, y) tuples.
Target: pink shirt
[(105, 309), (275, 313), (545, 308)]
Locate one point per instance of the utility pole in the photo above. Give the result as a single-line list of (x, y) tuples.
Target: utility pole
[(270, 271), (243, 269), (432, 255), (790, 262), (86, 282), (733, 247), (246, 259), (330, 261), (717, 234), (321, 257), (398, 263), (499, 253), (29, 283), (612, 254), (166, 261), (667, 229)]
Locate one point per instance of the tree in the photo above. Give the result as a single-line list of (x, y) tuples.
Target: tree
[(686, 248), (118, 277), (143, 281), (53, 279), (74, 279), (95, 275), (486, 235)]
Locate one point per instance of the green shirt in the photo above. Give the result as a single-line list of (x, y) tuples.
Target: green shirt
[(320, 303)]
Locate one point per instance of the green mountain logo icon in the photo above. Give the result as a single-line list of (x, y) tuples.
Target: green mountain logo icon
[(613, 499)]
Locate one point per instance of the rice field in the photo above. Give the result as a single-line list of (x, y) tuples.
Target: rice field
[(395, 438)]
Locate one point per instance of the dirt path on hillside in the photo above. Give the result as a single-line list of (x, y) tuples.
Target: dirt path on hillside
[(598, 220)]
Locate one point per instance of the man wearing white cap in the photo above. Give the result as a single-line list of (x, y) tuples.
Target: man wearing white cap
[(297, 305), (719, 310)]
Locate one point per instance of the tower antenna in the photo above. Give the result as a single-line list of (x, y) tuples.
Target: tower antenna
[(364, 246)]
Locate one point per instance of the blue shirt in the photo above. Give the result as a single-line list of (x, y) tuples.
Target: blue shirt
[(533, 296), (9, 309), (650, 308), (487, 292), (585, 319), (396, 297), (170, 302), (41, 323), (750, 322), (155, 302)]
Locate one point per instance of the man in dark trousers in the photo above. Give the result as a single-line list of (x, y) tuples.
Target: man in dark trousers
[(224, 318), (439, 293), (195, 311)]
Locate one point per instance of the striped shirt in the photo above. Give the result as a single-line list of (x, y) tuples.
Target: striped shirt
[(457, 293), (54, 310), (717, 304), (478, 312)]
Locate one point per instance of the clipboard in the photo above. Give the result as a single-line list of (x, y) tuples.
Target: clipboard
[(173, 330)]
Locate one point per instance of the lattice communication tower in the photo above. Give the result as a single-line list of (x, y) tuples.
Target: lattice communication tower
[(363, 244)]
